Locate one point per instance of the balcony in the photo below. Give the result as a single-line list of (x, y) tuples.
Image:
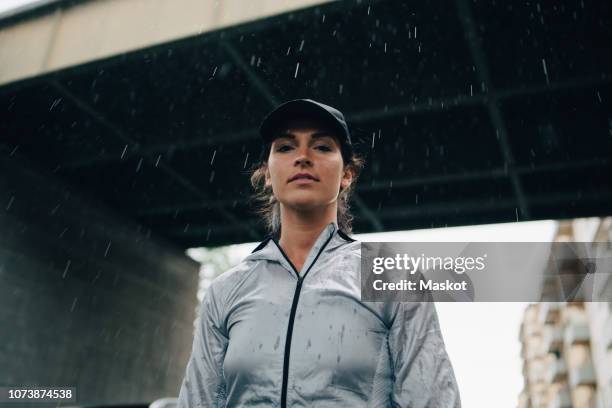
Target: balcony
[(549, 312), (534, 350), (552, 338), (529, 330), (556, 371), (562, 399), (577, 333), (583, 375)]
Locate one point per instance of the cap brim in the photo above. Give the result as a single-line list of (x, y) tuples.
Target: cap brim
[(298, 109)]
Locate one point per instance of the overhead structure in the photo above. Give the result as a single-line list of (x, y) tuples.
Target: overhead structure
[(467, 113)]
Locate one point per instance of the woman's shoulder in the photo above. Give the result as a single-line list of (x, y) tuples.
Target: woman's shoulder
[(351, 248), (232, 276)]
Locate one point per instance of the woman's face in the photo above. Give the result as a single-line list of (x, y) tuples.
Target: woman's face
[(303, 148)]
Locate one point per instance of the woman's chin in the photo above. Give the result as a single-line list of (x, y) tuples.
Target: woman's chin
[(306, 203)]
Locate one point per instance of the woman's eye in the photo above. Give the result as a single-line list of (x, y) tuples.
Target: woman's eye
[(325, 148), (283, 148)]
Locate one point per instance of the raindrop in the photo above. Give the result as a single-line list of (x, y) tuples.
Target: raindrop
[(66, 269), (599, 96), (297, 67), (10, 203), (73, 304), (301, 45), (157, 161), (213, 157), (124, 150), (212, 177), (545, 70), (107, 248), (54, 210), (277, 342), (340, 88), (55, 103), (246, 159), (288, 50), (139, 165), (14, 150)]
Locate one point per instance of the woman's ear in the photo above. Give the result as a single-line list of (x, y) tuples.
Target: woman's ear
[(268, 180), (347, 178)]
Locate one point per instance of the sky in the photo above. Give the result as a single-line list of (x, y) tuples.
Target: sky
[(481, 338)]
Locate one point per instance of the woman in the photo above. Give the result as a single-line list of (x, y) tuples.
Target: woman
[(287, 327)]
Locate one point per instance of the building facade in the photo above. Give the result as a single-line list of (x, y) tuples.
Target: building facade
[(567, 346)]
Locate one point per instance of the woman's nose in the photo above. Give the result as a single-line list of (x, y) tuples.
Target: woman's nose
[(303, 156)]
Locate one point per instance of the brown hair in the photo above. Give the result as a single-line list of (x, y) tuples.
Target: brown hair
[(267, 207)]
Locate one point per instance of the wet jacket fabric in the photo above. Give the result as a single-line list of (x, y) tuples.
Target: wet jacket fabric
[(268, 336)]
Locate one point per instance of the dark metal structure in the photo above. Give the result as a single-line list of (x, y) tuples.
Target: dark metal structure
[(467, 112)]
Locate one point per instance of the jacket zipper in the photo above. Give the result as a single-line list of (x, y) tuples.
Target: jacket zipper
[(296, 297)]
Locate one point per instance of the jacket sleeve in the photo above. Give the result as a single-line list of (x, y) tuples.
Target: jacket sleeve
[(422, 372), (204, 384)]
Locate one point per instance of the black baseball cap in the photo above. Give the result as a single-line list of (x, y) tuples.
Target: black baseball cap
[(306, 109)]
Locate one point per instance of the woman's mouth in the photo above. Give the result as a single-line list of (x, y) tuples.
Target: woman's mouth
[(303, 178)]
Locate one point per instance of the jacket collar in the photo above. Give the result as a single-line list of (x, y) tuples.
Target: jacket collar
[(270, 249)]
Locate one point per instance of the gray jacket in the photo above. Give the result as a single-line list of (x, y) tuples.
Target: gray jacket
[(270, 337)]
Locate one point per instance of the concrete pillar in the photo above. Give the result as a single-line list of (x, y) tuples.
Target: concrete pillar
[(87, 298)]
